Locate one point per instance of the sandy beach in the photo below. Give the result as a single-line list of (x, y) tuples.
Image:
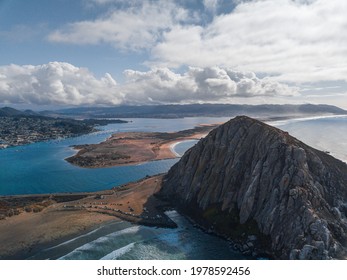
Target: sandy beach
[(26, 233), (130, 148), (172, 148)]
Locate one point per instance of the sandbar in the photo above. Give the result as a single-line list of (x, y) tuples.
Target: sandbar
[(131, 148)]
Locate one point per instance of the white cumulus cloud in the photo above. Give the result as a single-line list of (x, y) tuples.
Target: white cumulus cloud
[(297, 41), (209, 84), (55, 83), (225, 45), (58, 83)]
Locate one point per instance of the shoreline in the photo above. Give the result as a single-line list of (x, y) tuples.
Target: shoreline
[(61, 247), (173, 145), (172, 148), (102, 217), (284, 121), (133, 148), (25, 234)]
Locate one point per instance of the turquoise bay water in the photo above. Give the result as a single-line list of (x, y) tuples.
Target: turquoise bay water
[(41, 168)]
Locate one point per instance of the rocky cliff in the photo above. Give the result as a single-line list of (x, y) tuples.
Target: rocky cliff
[(265, 189)]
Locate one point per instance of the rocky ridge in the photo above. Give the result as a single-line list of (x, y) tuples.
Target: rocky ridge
[(265, 189)]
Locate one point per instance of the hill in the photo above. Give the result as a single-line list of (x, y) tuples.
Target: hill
[(265, 189)]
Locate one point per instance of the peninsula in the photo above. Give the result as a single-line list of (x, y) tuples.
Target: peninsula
[(129, 148)]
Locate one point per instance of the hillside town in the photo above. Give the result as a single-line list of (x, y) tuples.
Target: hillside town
[(22, 130)]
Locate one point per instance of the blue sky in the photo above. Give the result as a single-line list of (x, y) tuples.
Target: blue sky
[(25, 26), (109, 52)]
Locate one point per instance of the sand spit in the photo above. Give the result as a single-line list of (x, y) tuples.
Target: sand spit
[(130, 148)]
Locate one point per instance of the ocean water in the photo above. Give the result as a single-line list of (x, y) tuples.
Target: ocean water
[(124, 241), (41, 168), (323, 133)]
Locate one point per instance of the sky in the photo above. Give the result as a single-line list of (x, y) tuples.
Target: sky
[(65, 53)]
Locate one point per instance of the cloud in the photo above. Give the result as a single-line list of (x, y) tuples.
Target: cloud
[(58, 83), (198, 85), (100, 2), (55, 83), (137, 26), (211, 5), (295, 41), (109, 2)]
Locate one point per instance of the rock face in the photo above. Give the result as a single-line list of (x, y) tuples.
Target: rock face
[(265, 189)]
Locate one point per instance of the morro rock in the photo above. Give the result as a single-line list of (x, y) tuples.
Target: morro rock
[(265, 189)]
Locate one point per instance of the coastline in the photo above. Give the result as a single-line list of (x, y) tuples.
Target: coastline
[(172, 147), (282, 121), (25, 233), (28, 248), (133, 148)]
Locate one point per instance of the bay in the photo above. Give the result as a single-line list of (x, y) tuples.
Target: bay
[(41, 168)]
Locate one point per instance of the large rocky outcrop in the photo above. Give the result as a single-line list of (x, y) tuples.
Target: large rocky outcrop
[(260, 186)]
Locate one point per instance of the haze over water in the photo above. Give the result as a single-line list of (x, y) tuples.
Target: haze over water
[(323, 133)]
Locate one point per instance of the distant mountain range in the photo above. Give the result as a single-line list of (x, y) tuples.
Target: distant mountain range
[(11, 112), (196, 110), (181, 111)]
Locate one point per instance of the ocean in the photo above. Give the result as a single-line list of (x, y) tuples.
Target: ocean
[(323, 133), (125, 241), (41, 168)]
